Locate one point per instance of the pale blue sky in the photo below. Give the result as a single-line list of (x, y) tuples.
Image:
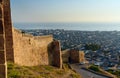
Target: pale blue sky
[(65, 10)]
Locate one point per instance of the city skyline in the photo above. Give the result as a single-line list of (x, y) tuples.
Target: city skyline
[(65, 10)]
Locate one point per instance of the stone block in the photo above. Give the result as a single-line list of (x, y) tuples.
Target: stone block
[(0, 12), (10, 32), (2, 57), (9, 44), (1, 26), (74, 56), (1, 42), (10, 54), (3, 71)]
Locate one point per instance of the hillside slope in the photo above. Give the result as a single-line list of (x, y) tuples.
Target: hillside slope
[(16, 71)]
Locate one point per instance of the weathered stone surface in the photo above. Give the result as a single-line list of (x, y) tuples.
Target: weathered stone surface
[(73, 56), (1, 42), (3, 71), (65, 56), (30, 50), (39, 50), (82, 56), (24, 49), (57, 57), (1, 27), (2, 57), (5, 36), (1, 10), (8, 31)]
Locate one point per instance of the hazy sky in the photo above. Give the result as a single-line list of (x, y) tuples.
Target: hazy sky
[(65, 10)]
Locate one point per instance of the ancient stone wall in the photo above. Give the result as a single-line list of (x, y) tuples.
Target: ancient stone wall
[(24, 49), (65, 56), (8, 31), (56, 54), (82, 57), (29, 50), (73, 56), (3, 66)]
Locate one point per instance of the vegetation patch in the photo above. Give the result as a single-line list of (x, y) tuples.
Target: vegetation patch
[(43, 71), (115, 72), (92, 47), (94, 68), (74, 75)]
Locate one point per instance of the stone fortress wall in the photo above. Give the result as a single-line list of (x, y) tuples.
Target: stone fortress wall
[(5, 39), (30, 50), (24, 49), (36, 50), (73, 56)]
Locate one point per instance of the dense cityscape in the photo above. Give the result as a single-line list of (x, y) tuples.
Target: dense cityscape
[(106, 55), (59, 39)]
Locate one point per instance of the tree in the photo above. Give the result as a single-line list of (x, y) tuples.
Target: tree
[(92, 47)]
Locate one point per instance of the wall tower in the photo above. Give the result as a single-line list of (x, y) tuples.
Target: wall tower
[(2, 43), (6, 39), (8, 30)]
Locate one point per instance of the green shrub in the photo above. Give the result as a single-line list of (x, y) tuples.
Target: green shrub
[(10, 65), (115, 72), (13, 74), (94, 68), (92, 47)]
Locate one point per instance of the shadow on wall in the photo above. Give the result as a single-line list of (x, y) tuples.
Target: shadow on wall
[(50, 54)]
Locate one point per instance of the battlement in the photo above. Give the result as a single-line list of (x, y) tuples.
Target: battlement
[(30, 35), (43, 37)]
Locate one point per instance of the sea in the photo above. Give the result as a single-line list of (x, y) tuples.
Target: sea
[(70, 26)]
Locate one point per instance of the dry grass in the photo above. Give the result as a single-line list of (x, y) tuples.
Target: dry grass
[(16, 71)]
